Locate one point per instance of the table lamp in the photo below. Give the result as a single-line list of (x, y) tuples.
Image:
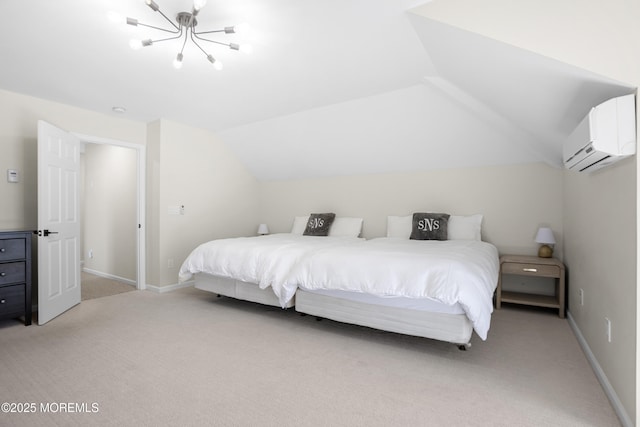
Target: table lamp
[(263, 229), (545, 236)]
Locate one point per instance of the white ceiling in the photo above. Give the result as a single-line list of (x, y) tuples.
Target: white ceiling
[(334, 87)]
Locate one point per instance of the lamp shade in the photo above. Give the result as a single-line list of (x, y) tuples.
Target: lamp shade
[(263, 229), (545, 236)]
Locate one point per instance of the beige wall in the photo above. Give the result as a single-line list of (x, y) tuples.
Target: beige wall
[(19, 115), (600, 252), (109, 217), (191, 167), (600, 214), (514, 200)]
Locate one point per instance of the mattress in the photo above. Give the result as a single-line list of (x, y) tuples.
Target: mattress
[(238, 289), (454, 328), (423, 304)]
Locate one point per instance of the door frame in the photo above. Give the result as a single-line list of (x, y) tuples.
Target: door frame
[(141, 154)]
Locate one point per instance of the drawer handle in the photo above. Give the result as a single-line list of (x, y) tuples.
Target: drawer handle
[(530, 270), (2, 301), (2, 274), (3, 250)]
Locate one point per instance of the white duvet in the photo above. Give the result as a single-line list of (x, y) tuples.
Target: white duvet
[(451, 271), (265, 260)]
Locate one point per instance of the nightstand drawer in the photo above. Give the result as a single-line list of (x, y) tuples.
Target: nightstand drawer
[(12, 300), (12, 272), (11, 249), (531, 269)]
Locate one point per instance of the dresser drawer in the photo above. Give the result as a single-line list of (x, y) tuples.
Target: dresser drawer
[(12, 300), (12, 272), (11, 249), (531, 269)]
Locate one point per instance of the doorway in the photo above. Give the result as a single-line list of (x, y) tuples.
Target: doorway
[(59, 218), (108, 220), (112, 209)]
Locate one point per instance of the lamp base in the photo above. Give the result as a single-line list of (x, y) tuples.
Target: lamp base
[(545, 251)]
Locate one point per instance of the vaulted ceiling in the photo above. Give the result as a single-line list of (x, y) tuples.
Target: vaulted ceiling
[(338, 87)]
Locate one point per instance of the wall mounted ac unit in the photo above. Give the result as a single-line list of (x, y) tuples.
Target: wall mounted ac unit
[(607, 134)]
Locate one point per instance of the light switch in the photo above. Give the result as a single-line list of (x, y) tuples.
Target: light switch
[(12, 176)]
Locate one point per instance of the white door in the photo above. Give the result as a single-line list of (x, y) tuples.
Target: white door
[(58, 222)]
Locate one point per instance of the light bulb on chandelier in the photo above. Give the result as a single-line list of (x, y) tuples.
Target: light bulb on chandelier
[(199, 4), (185, 26)]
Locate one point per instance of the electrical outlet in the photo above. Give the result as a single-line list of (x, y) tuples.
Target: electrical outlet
[(170, 263), (608, 326), (181, 209), (90, 253), (581, 296)]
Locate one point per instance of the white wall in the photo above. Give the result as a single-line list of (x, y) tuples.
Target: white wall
[(192, 168), (602, 36), (110, 210), (514, 200)]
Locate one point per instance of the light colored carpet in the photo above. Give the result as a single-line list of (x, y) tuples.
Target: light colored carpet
[(93, 286), (187, 358)]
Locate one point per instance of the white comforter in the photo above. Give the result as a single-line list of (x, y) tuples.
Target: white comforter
[(265, 260), (452, 271)]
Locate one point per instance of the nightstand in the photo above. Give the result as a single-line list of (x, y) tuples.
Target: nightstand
[(15, 275), (537, 267)]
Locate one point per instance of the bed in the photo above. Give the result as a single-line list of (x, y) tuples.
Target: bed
[(254, 268), (440, 289)]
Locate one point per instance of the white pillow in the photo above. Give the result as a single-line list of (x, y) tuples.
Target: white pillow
[(299, 224), (399, 226), (459, 227), (465, 227), (345, 226)]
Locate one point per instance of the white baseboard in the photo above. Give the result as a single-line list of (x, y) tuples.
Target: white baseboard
[(110, 276), (153, 288), (604, 381), (169, 288)]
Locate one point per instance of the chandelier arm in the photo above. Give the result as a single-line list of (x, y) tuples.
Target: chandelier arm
[(159, 28), (168, 20), (209, 32), (168, 38), (196, 43), (210, 41), (185, 41)]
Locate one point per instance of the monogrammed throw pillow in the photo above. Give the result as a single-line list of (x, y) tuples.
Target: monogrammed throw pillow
[(319, 224), (429, 226)]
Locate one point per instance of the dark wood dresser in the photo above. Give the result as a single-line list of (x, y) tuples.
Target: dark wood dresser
[(15, 275)]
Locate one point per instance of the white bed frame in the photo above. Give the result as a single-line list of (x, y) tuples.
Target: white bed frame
[(238, 289), (454, 328)]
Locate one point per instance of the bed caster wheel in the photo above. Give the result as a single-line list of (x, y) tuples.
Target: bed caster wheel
[(464, 347), (318, 319)]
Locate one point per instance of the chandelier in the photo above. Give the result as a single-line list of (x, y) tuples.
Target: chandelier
[(184, 28)]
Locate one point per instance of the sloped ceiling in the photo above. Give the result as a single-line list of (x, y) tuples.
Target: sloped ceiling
[(338, 87)]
